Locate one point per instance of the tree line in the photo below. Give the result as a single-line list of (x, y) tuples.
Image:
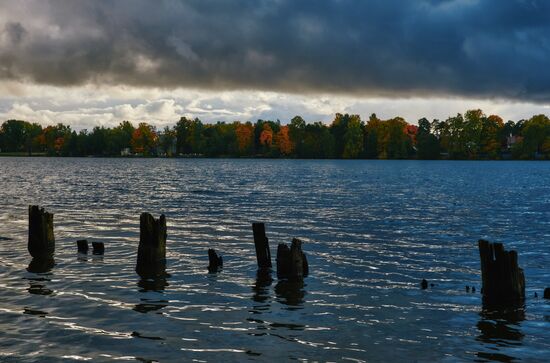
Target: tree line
[(472, 135)]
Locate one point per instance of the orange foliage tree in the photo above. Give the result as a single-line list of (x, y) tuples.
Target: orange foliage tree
[(58, 144), (245, 137), (144, 139), (266, 137), (282, 140)]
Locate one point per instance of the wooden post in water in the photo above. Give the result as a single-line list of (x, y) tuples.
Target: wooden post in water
[(291, 262), (82, 246), (151, 259), (41, 242), (98, 248), (263, 255), (503, 281), (215, 262)]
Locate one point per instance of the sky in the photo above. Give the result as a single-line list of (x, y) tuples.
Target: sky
[(89, 63)]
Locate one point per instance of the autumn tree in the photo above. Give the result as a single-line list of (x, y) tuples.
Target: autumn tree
[(265, 139), (492, 138), (283, 141), (245, 138), (144, 139)]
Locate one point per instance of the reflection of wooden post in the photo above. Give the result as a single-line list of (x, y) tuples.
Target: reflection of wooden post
[(291, 262), (214, 261), (151, 259), (502, 278), (41, 239), (263, 255)]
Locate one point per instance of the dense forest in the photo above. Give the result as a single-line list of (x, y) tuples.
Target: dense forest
[(470, 136)]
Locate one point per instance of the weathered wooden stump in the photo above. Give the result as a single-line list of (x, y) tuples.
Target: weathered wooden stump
[(215, 262), (151, 259), (547, 293), (82, 246), (424, 284), (98, 248), (41, 243), (263, 255), (503, 281), (291, 262)]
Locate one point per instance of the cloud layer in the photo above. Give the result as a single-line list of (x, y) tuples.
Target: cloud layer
[(389, 48), (84, 107)]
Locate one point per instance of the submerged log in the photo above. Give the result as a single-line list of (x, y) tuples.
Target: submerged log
[(503, 281), (98, 248), (291, 262), (82, 246), (151, 259), (41, 243), (215, 262), (263, 255)]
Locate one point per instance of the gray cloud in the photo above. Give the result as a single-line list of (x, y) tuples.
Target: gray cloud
[(391, 48)]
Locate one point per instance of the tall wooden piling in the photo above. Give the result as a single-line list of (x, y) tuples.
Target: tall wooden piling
[(291, 262), (151, 259), (503, 280), (41, 242), (263, 255)]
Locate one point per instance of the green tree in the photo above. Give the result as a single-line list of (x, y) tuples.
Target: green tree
[(167, 140), (353, 138), (534, 132), (297, 130), (13, 135), (426, 142)]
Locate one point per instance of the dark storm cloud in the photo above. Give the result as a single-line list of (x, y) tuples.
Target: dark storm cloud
[(490, 48)]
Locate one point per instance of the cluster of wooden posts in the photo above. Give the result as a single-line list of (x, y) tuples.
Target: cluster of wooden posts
[(503, 281), (151, 257)]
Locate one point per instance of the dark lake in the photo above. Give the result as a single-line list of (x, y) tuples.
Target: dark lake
[(371, 229)]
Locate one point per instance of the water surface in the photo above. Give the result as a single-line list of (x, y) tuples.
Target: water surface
[(372, 231)]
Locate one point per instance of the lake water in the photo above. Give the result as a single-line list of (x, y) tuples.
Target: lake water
[(371, 229)]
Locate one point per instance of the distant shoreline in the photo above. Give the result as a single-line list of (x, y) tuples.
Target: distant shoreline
[(473, 136), (44, 155)]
